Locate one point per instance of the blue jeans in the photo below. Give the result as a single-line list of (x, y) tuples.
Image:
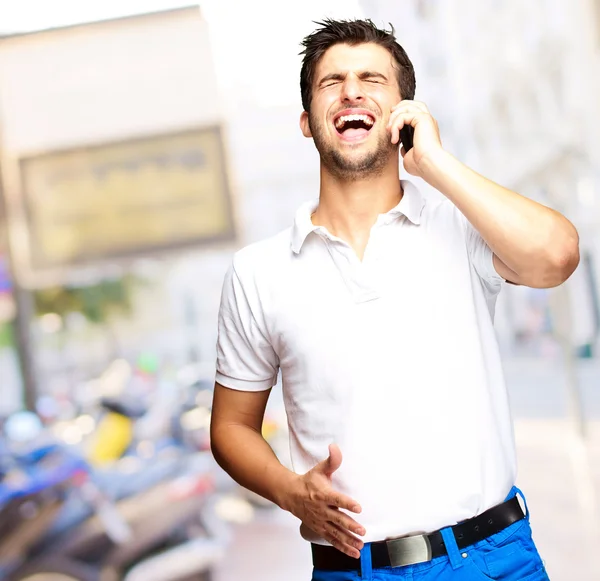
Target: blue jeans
[(509, 555)]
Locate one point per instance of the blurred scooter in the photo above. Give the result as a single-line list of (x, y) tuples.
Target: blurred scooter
[(177, 532), (34, 486), (169, 531)]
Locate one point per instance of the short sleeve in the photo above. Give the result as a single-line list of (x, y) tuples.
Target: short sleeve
[(245, 358), (482, 259)]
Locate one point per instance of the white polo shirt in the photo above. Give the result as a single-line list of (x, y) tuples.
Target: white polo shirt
[(393, 358)]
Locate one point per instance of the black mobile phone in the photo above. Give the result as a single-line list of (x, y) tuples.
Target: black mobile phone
[(406, 136)]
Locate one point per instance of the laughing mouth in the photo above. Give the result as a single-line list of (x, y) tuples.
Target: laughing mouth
[(354, 123)]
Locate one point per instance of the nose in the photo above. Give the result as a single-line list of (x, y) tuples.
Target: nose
[(352, 90)]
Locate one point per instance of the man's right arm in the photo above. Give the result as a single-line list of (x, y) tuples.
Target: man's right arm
[(240, 449)]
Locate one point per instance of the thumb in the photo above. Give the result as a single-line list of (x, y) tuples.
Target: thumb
[(333, 462)]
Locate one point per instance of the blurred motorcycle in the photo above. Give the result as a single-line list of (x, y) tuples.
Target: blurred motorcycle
[(168, 530), (167, 518), (33, 489)]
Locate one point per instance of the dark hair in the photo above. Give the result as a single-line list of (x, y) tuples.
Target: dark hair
[(352, 32)]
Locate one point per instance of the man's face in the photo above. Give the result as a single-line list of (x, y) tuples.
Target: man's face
[(354, 89)]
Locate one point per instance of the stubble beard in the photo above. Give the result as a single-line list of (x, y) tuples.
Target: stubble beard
[(351, 168)]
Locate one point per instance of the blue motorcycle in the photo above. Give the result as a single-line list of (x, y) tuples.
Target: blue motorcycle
[(34, 487)]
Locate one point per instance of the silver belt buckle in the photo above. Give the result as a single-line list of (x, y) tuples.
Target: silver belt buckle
[(409, 550)]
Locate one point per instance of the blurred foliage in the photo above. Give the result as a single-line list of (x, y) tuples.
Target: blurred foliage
[(96, 302), (6, 335)]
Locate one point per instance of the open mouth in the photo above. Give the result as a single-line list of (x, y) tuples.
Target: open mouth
[(354, 125)]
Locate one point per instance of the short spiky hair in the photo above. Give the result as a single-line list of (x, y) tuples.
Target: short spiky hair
[(351, 32)]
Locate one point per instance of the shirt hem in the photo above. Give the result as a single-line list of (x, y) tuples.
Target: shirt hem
[(245, 384)]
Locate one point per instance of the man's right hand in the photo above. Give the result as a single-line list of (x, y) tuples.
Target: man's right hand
[(317, 505)]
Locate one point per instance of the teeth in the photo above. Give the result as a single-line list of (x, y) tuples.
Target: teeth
[(345, 118)]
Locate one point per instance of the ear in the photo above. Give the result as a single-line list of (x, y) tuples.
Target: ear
[(305, 125)]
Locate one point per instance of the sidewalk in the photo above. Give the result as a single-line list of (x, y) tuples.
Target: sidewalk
[(561, 479)]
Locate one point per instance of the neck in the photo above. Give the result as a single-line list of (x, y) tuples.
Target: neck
[(348, 208)]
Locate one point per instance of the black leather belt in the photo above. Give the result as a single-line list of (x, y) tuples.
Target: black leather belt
[(422, 548)]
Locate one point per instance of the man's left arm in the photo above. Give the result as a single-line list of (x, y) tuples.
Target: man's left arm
[(533, 245)]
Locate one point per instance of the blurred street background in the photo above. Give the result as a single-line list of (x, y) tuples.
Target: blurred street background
[(143, 142)]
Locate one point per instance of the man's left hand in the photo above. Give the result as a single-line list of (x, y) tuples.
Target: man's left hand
[(426, 141)]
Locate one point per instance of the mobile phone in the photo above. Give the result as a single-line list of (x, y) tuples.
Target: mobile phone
[(406, 136)]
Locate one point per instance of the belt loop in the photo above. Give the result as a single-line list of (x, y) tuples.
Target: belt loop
[(520, 493), (366, 564), (454, 555)]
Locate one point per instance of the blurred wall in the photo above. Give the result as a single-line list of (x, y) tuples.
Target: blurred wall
[(97, 83), (106, 81)]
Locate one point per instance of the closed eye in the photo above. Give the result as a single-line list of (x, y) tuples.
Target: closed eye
[(373, 77), (335, 78)]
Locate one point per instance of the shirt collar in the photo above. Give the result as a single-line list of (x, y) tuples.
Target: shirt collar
[(411, 205)]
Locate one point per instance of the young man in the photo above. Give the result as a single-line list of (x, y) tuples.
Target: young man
[(377, 306)]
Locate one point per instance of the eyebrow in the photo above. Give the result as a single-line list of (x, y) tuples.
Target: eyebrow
[(362, 76)]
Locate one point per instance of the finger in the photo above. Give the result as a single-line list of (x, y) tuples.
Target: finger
[(401, 118), (333, 462), (409, 118), (402, 103), (342, 520), (339, 500), (421, 106), (393, 116), (407, 102), (342, 540), (418, 106), (401, 114)]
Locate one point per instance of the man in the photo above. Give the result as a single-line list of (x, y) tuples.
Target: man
[(377, 306)]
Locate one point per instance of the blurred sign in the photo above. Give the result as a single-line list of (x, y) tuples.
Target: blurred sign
[(126, 198)]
